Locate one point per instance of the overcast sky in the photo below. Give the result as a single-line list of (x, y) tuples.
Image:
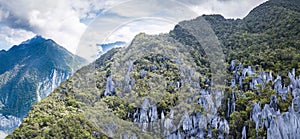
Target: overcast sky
[(80, 22)]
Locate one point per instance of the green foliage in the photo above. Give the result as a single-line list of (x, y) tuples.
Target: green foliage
[(167, 102), (119, 107)]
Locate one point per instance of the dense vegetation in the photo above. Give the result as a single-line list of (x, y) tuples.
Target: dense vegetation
[(267, 39)]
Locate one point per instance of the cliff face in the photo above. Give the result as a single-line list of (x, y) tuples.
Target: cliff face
[(30, 72), (169, 86)]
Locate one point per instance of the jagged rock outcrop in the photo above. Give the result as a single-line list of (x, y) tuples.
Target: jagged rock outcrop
[(277, 124), (110, 87)]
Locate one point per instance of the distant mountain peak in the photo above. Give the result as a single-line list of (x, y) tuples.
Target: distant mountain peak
[(1, 51), (110, 44), (107, 46), (37, 38), (45, 64)]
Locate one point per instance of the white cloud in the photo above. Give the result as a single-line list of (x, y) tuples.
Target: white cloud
[(3, 14), (124, 21), (152, 8), (127, 32), (10, 36), (227, 8), (89, 8), (55, 19), (60, 20)]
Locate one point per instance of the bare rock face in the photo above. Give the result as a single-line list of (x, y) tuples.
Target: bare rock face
[(244, 133), (285, 126), (110, 87)]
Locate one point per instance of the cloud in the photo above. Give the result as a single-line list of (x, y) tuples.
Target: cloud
[(3, 14), (152, 8), (51, 19), (127, 32), (228, 8), (10, 36), (122, 22), (59, 20), (68, 21)]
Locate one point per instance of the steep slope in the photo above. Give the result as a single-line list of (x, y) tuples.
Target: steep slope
[(28, 73), (160, 86)]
